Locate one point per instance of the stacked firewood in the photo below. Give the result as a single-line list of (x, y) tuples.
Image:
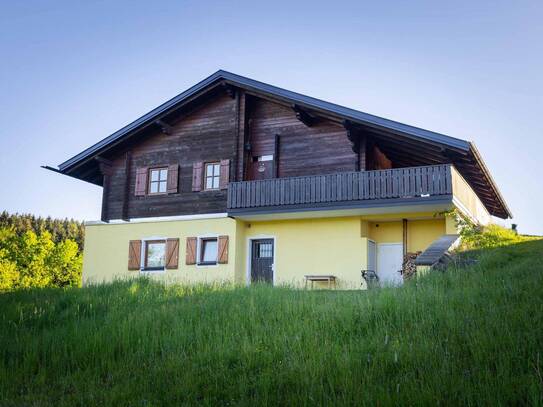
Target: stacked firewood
[(409, 268)]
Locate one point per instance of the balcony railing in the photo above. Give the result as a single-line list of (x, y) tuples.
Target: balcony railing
[(412, 182)]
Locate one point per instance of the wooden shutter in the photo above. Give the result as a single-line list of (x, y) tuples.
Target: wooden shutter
[(191, 250), (134, 255), (173, 177), (197, 172), (225, 174), (223, 249), (172, 253), (141, 181)]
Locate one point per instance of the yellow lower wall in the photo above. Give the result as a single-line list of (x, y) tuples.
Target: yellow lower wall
[(420, 233), (106, 250), (331, 246)]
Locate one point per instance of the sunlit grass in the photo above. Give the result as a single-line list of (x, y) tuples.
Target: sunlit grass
[(468, 336)]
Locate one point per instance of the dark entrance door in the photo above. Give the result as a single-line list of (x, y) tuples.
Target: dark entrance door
[(262, 167), (262, 261)]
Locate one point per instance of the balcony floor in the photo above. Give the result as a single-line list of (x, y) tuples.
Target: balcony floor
[(359, 208)]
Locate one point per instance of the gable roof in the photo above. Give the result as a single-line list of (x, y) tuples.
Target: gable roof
[(496, 204)]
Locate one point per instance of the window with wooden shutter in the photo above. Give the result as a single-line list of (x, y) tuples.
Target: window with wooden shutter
[(197, 170), (158, 181), (207, 251), (223, 250), (134, 255), (191, 250), (155, 254), (173, 177), (172, 253), (212, 176), (141, 181), (225, 174)]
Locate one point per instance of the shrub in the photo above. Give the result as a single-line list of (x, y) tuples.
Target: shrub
[(476, 236), (35, 260)]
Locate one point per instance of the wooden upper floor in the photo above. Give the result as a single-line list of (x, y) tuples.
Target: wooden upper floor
[(181, 158)]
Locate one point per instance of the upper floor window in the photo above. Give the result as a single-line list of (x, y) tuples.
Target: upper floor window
[(158, 180), (212, 175), (268, 157)]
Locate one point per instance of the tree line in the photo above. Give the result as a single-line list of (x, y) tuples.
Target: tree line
[(39, 252)]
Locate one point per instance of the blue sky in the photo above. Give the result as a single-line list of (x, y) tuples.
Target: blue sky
[(74, 72)]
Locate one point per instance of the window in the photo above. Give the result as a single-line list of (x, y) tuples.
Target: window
[(208, 251), (212, 175), (155, 251), (158, 180), (265, 250), (263, 158)]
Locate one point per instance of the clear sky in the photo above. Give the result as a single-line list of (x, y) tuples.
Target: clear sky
[(73, 72)]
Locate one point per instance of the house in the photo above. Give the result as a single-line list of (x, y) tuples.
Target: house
[(237, 180)]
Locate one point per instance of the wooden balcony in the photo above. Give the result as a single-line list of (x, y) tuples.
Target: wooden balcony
[(343, 189)]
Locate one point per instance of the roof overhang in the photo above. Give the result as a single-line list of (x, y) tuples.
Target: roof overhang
[(434, 146)]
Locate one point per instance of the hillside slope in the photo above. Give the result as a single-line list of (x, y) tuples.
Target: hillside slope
[(472, 336)]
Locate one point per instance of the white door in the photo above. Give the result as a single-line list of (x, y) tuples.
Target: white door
[(389, 262)]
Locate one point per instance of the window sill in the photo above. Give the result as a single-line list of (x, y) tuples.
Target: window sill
[(207, 263), (152, 270)]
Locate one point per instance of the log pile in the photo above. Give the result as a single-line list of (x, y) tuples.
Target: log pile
[(408, 268)]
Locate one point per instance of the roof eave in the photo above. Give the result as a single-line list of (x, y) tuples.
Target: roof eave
[(308, 102), (488, 175)]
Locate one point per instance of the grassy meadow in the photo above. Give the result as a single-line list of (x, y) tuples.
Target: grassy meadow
[(469, 336)]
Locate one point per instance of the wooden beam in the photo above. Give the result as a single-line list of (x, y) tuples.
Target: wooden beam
[(126, 191), (303, 116), (229, 89), (404, 230), (105, 167), (352, 135), (409, 155), (165, 127), (362, 165), (276, 156)]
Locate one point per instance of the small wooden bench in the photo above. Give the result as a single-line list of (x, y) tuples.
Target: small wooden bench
[(330, 279)]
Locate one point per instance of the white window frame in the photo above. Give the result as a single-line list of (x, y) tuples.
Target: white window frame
[(159, 169), (199, 250), (218, 176), (144, 241), (265, 157)]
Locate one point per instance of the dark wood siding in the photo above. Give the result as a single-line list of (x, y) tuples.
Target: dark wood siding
[(401, 183), (216, 131), (320, 149), (207, 134)]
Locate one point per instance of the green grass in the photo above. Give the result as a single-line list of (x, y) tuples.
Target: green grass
[(472, 336)]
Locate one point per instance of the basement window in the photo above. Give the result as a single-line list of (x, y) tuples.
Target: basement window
[(155, 254), (158, 180), (208, 251)]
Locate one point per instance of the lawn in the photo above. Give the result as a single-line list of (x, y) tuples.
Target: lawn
[(467, 336)]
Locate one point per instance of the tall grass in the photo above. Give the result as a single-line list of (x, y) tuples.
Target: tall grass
[(469, 336)]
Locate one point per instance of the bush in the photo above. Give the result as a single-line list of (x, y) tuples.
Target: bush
[(35, 260), (483, 237)]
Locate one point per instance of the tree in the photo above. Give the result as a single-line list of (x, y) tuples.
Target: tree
[(36, 260)]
